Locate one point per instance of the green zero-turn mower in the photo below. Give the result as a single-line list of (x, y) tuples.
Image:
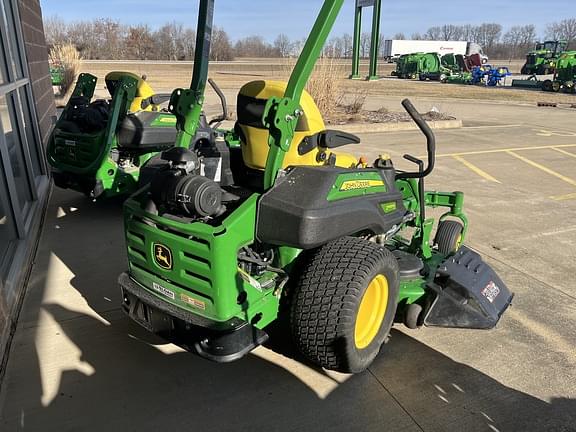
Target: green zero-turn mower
[(99, 147), (287, 230)]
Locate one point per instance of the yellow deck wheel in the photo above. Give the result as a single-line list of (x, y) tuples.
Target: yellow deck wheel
[(371, 312), (459, 242), (449, 236)]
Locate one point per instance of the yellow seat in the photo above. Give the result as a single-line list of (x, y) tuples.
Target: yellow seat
[(144, 91), (251, 103)]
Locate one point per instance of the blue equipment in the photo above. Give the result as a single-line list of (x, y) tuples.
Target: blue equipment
[(495, 76)]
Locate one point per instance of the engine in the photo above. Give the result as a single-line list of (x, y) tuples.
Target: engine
[(179, 188)]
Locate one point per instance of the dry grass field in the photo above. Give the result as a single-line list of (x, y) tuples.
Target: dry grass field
[(165, 76)]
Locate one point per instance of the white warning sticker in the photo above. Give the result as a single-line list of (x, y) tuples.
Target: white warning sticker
[(164, 291), (491, 291)]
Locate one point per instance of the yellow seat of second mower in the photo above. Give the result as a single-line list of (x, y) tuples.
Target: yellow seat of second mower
[(144, 90), (252, 100)]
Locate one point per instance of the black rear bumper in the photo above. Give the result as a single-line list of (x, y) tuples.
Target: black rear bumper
[(89, 186), (221, 342)]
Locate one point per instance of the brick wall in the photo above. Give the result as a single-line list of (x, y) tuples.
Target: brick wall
[(37, 56)]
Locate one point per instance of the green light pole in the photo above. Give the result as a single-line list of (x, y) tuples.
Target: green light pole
[(356, 47), (375, 39), (373, 74)]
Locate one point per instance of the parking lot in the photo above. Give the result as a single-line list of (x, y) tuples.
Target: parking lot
[(78, 364)]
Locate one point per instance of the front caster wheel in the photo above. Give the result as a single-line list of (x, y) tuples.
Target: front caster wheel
[(449, 237)]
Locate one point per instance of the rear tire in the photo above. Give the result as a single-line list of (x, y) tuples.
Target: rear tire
[(334, 322), (449, 237)]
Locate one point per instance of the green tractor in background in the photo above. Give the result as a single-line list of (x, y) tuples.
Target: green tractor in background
[(288, 230), (99, 147), (542, 60), (565, 75)]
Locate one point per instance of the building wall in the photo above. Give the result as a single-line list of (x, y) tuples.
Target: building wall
[(26, 112), (37, 55)]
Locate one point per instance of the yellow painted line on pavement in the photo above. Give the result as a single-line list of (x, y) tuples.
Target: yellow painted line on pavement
[(564, 197), (543, 168), (503, 150), (492, 126), (475, 169), (564, 152)]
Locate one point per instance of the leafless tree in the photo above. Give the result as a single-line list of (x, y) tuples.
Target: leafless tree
[(109, 38), (332, 49), (338, 47), (81, 34), (298, 46), (399, 36), (283, 45), (221, 46), (512, 39), (434, 33), (365, 44), (381, 45), (170, 42), (189, 44), (467, 32), (563, 30), (488, 34), (140, 43), (254, 46), (450, 32), (347, 45), (56, 31)]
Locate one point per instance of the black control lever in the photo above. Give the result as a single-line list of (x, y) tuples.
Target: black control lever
[(415, 160), (430, 144), (224, 114), (156, 99)]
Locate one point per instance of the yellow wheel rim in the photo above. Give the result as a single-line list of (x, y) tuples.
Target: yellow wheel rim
[(371, 312)]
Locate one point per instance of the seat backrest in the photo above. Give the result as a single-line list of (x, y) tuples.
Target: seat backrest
[(143, 90), (254, 136)]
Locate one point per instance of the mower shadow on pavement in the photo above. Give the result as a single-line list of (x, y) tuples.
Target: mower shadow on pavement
[(135, 386), (130, 381)]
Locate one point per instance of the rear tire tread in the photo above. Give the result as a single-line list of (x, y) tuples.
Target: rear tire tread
[(327, 297)]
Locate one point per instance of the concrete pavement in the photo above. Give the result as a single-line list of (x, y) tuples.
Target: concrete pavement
[(77, 363)]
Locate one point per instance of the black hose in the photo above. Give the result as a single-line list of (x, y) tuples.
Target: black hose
[(224, 115)]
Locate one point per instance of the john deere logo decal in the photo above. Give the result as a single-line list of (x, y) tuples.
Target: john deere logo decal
[(360, 184), (163, 256)]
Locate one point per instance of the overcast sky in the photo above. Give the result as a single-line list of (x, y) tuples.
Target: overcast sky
[(268, 18)]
